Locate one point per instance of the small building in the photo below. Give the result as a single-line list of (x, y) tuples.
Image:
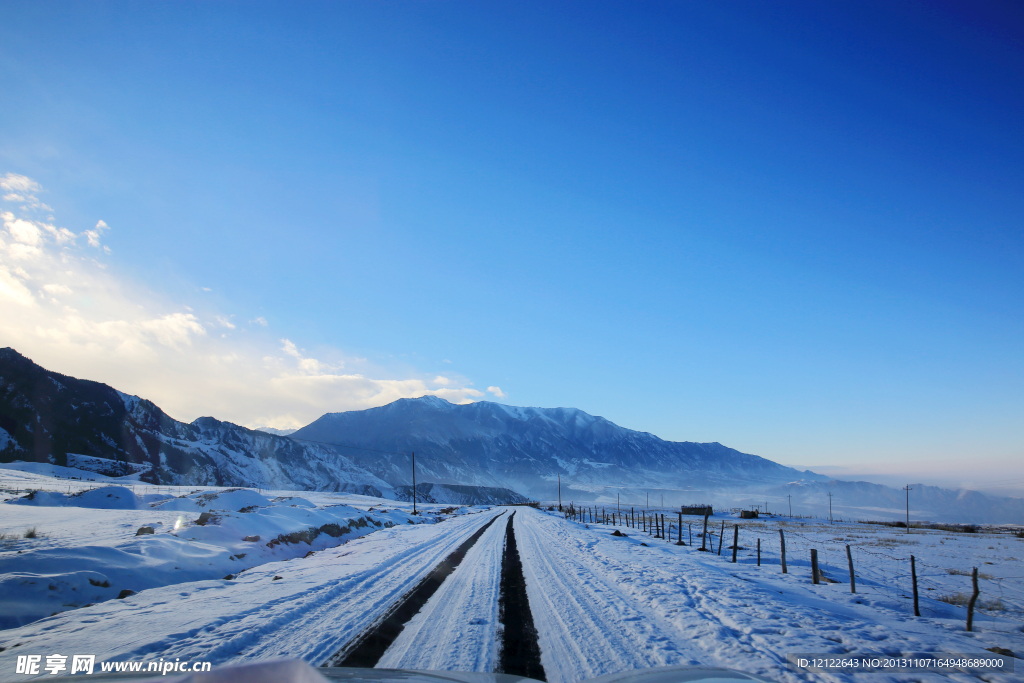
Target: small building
[(748, 514), (697, 510)]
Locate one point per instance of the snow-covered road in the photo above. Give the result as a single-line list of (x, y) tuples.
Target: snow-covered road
[(457, 630)]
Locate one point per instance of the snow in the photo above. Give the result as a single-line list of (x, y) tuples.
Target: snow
[(6, 439), (106, 498), (91, 463), (320, 603), (129, 400), (469, 641), (601, 604), (87, 549), (45, 469)]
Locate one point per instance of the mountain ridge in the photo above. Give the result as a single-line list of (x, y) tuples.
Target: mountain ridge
[(485, 442), (47, 417)]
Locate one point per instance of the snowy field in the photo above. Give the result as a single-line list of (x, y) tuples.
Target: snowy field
[(600, 603)]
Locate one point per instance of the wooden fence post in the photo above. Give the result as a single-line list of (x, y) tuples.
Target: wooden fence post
[(782, 545), (680, 540), (758, 551), (720, 535), (704, 536), (663, 526), (735, 541), (974, 598), (913, 579), (814, 565), (689, 530), (853, 581)]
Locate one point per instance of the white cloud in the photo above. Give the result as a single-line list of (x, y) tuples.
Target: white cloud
[(24, 252), (60, 235), (22, 189), (443, 381), (307, 366), (12, 289), (174, 329), (498, 393), (19, 183), (57, 289), (29, 236), (94, 235), (139, 341), (23, 231)]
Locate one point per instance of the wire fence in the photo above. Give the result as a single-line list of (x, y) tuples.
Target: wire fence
[(882, 574)]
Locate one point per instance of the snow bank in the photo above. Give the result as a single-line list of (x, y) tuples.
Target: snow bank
[(230, 499), (207, 535), (103, 498)]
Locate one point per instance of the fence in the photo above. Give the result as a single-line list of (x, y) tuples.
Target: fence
[(905, 582)]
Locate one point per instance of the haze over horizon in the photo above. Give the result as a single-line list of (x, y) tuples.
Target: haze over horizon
[(791, 229)]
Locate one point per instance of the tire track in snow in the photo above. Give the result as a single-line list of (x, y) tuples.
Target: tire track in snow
[(586, 626), (458, 628), (520, 651), (607, 611), (367, 648)]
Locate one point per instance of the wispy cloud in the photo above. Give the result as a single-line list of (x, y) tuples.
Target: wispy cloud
[(94, 234), (21, 189), (67, 309), (498, 393)]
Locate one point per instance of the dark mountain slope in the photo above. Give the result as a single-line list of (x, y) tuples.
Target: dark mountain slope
[(45, 416)]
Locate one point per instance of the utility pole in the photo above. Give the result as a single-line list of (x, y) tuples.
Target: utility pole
[(663, 501), (648, 500), (790, 496), (414, 482), (907, 489), (559, 492), (617, 508), (829, 507)]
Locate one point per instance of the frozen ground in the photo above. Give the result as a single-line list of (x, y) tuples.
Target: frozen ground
[(600, 603), (62, 551), (603, 603)]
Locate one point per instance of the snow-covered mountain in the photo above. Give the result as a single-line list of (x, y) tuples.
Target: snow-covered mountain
[(46, 417), (526, 449), (51, 418)]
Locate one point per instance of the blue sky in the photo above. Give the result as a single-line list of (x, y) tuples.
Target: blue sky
[(794, 228)]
